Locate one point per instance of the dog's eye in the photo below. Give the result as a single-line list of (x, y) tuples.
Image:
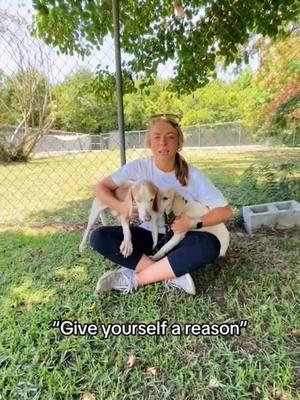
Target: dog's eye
[(151, 200), (165, 198)]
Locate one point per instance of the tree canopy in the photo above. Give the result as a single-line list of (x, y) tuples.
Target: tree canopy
[(86, 103), (277, 109), (26, 95), (152, 34)]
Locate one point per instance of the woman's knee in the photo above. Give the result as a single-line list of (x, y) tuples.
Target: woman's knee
[(211, 246), (95, 239), (194, 253), (207, 242), (98, 239)]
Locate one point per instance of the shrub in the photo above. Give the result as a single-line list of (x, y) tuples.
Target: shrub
[(268, 182)]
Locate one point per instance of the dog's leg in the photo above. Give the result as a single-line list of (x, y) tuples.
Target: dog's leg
[(103, 218), (96, 209), (175, 239), (154, 231), (126, 247)]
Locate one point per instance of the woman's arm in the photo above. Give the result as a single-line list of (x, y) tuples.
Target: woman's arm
[(104, 191), (184, 223), (216, 216)]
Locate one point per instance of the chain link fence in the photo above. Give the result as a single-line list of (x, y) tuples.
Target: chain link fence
[(64, 142), (58, 131)]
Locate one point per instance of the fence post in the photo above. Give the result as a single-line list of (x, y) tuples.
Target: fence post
[(119, 88), (199, 135)]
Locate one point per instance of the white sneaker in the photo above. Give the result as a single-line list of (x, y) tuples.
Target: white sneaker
[(183, 282), (123, 280)]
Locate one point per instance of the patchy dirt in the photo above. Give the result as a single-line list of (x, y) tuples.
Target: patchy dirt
[(247, 344)]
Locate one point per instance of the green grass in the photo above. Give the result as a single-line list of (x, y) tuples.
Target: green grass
[(43, 278), (58, 189)]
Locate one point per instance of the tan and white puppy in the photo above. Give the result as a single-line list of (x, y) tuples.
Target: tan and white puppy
[(145, 195), (171, 201)]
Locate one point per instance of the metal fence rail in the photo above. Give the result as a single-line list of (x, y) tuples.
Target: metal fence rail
[(204, 135)]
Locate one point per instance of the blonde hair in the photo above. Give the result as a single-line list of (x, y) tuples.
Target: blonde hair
[(181, 166)]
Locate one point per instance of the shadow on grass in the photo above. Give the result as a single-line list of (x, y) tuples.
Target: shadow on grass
[(44, 279), (32, 259), (77, 212), (73, 213)]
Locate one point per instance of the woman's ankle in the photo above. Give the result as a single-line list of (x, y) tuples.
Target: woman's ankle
[(144, 262)]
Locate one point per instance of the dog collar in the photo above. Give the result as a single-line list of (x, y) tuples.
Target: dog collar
[(169, 219)]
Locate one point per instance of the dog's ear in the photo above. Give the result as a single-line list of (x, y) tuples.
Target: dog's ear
[(156, 201), (178, 204)]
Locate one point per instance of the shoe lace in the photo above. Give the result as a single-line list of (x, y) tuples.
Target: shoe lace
[(126, 286), (170, 285)]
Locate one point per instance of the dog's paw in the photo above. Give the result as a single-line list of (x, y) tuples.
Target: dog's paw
[(155, 257), (126, 248), (82, 247)]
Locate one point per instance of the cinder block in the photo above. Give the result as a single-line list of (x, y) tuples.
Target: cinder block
[(281, 215)]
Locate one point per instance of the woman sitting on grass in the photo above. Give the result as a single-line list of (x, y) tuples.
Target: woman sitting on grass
[(167, 169)]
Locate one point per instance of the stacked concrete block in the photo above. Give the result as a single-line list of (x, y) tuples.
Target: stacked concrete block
[(281, 215)]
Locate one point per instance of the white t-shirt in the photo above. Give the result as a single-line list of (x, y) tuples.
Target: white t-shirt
[(199, 187)]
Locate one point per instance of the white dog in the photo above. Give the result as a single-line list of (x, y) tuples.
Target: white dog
[(147, 198), (171, 201)]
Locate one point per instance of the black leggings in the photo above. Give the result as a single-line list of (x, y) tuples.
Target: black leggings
[(196, 250)]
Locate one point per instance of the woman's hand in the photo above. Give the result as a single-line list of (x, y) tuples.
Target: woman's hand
[(182, 224)]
